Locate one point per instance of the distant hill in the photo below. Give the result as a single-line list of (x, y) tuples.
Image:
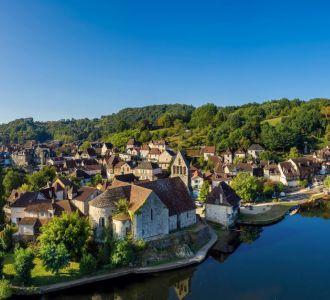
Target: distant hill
[(276, 124)]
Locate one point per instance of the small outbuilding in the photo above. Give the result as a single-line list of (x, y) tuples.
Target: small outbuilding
[(222, 205)]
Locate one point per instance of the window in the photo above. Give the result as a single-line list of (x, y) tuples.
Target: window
[(184, 170), (151, 215), (179, 161), (101, 222)]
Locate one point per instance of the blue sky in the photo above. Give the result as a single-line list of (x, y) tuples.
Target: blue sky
[(63, 59)]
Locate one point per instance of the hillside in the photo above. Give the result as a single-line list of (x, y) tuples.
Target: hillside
[(277, 125)]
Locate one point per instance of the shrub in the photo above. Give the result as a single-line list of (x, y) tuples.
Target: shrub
[(122, 253), (6, 238), (87, 264), (2, 260), (23, 264), (5, 289), (139, 245), (54, 257)]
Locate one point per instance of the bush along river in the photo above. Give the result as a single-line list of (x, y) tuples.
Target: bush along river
[(287, 260)]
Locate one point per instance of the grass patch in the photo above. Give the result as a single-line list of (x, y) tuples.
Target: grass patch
[(39, 275), (273, 121), (275, 213)]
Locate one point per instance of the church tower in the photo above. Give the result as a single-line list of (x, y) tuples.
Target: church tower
[(180, 168)]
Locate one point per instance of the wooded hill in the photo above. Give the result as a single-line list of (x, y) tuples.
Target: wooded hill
[(278, 125)]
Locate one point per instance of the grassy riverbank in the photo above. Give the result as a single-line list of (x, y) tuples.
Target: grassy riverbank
[(275, 213)]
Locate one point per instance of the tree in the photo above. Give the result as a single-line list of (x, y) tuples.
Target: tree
[(6, 238), (293, 153), (122, 253), (23, 264), (70, 229), (248, 235), (205, 189), (85, 145), (40, 179), (246, 186), (97, 179), (87, 264), (5, 289), (2, 261), (54, 257), (122, 206), (12, 180), (327, 182)]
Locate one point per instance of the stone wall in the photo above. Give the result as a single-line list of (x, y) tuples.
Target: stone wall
[(220, 214), (151, 220)]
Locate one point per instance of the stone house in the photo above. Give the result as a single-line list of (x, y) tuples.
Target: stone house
[(222, 205), (208, 151), (255, 150), (83, 197), (161, 145), (155, 209), (240, 154), (132, 144), (271, 171), (147, 170), (154, 154), (23, 158), (123, 167), (227, 157), (106, 149), (144, 151), (165, 159), (197, 181), (180, 168)]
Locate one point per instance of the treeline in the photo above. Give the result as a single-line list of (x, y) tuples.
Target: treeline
[(278, 125)]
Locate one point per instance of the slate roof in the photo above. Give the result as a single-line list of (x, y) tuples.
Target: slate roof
[(147, 165), (229, 197), (171, 191), (257, 147), (84, 193)]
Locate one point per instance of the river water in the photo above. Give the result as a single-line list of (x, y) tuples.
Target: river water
[(288, 260)]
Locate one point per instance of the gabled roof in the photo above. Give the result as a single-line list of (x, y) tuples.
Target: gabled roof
[(84, 193), (173, 193), (223, 195), (147, 165), (257, 147)]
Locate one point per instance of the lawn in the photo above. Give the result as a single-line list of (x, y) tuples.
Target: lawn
[(276, 212), (39, 275), (273, 121)]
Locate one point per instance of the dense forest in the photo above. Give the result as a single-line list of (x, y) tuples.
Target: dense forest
[(278, 125)]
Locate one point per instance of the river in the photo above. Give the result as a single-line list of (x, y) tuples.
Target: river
[(288, 260)]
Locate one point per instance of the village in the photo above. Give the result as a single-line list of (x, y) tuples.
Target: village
[(150, 194)]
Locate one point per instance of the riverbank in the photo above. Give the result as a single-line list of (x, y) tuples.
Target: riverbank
[(198, 257), (271, 214)]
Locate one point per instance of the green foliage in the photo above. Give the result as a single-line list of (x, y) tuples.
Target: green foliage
[(327, 182), (269, 189), (122, 206), (23, 264), (5, 289), (2, 261), (6, 238), (246, 186), (205, 189), (293, 153), (40, 179), (278, 125), (54, 256), (97, 179), (85, 145), (303, 183), (248, 235), (12, 180), (88, 264), (122, 253), (70, 229)]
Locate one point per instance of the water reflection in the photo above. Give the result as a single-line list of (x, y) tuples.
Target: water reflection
[(175, 284), (168, 285)]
